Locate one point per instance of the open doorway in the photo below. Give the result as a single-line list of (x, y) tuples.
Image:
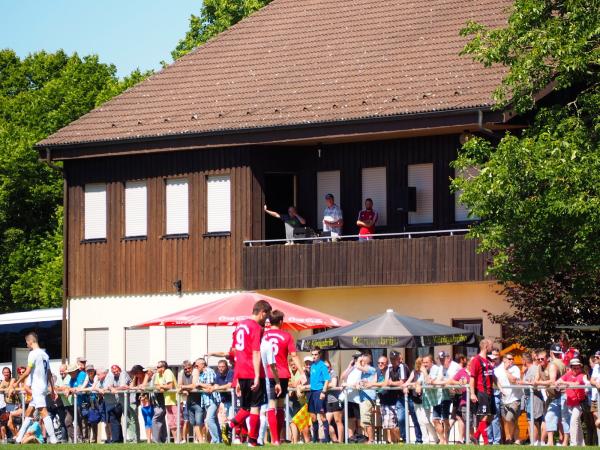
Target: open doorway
[(280, 193)]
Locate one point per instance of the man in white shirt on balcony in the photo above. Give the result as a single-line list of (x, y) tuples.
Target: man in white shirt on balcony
[(332, 218)]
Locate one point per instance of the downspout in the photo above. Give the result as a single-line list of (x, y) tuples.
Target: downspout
[(65, 304), (482, 129)]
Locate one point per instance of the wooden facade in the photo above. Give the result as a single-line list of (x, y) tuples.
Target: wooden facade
[(117, 266), (382, 262)]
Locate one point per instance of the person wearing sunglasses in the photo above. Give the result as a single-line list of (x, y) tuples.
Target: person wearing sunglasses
[(508, 374), (575, 399)]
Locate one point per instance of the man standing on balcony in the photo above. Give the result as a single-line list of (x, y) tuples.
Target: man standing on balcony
[(332, 218), (367, 219), (291, 220)]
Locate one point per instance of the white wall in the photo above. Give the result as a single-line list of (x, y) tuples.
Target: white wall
[(118, 313)]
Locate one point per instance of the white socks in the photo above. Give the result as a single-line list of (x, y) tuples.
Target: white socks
[(23, 429), (49, 429)]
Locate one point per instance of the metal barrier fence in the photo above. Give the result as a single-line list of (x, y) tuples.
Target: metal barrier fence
[(346, 390)]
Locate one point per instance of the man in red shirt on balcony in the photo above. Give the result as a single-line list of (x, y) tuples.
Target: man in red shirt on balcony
[(248, 373), (367, 219), (281, 345)]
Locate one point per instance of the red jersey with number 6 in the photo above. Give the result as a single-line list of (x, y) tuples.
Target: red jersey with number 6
[(283, 344), (246, 340)]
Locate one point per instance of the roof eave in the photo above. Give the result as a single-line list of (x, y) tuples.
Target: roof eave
[(295, 134)]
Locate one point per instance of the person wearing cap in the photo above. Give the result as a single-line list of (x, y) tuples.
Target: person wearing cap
[(575, 398), (77, 380), (595, 381), (508, 374), (90, 401), (332, 218), (396, 376), (548, 377)]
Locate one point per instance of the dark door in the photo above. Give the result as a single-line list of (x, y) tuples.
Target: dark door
[(279, 195)]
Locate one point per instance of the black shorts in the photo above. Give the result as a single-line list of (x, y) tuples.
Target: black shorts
[(284, 388), (486, 404), (316, 405), (249, 398), (334, 406), (354, 410)]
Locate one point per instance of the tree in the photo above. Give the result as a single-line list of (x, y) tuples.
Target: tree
[(537, 192), (38, 95), (215, 16)]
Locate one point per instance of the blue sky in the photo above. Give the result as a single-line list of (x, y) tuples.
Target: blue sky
[(127, 33)]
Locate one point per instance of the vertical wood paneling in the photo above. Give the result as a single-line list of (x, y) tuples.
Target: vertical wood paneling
[(377, 262)]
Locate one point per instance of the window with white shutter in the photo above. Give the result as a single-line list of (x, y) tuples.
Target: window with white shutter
[(178, 345), (219, 340), (136, 208), (328, 182), (218, 204), (374, 186), (95, 211), (177, 206), (420, 176), (461, 212), (137, 347), (95, 345)]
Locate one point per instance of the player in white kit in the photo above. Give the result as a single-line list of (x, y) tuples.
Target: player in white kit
[(38, 369)]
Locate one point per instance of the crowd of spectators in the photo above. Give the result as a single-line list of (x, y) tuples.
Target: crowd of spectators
[(377, 395)]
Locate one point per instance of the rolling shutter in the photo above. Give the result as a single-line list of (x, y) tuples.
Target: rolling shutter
[(95, 211), (178, 345), (177, 206), (461, 212), (219, 340), (374, 186), (95, 345), (218, 204), (421, 177), (328, 182), (137, 347), (136, 216)]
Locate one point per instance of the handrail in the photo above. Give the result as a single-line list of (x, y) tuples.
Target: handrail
[(408, 234)]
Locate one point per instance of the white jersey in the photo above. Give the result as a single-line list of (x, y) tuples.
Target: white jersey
[(40, 364)]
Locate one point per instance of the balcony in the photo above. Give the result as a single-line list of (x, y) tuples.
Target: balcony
[(399, 258)]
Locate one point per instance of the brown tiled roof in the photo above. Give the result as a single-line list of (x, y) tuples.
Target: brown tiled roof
[(307, 61)]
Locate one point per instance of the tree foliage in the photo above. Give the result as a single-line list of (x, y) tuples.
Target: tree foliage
[(537, 192), (39, 94), (215, 16)]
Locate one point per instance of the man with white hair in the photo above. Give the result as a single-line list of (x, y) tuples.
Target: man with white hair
[(41, 381)]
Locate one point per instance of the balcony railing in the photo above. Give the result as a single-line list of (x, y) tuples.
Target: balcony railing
[(438, 256)]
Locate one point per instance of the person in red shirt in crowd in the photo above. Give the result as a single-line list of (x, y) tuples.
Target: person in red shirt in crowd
[(249, 376), (568, 352), (482, 389), (367, 219), (282, 345), (575, 399)]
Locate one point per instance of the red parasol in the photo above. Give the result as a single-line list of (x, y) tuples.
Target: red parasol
[(233, 309)]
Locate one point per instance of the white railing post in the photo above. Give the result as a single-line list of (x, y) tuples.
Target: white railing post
[(531, 417), (177, 402), (344, 390), (468, 418), (75, 425), (406, 419), (287, 416)]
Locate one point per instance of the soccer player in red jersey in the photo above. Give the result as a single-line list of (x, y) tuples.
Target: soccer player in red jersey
[(250, 385), (280, 345)]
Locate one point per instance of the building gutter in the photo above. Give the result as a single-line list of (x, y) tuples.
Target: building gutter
[(296, 134)]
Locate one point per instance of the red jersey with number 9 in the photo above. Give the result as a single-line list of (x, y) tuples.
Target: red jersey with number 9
[(283, 344), (246, 340)]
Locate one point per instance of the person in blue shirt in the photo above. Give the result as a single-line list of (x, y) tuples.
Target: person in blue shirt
[(319, 383)]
